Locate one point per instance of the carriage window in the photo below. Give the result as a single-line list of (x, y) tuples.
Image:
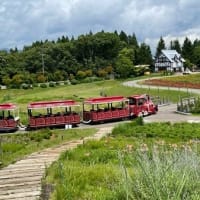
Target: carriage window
[(141, 101), (132, 101)]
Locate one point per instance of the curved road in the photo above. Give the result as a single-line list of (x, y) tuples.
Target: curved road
[(167, 113)]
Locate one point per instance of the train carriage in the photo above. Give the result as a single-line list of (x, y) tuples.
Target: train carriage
[(104, 109), (141, 105), (53, 114), (9, 117)]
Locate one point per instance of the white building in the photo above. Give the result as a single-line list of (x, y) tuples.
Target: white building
[(169, 60)]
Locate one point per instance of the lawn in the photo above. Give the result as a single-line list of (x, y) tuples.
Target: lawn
[(137, 161)]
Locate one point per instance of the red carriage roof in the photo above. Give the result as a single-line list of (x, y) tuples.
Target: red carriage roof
[(8, 106), (102, 100), (52, 104), (138, 96)]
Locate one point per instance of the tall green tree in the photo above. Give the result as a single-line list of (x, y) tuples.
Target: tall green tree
[(133, 40), (187, 49), (196, 56), (124, 64), (123, 37), (160, 46), (175, 45), (144, 55)]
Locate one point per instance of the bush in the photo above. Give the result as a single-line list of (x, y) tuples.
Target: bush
[(35, 84), (91, 79), (51, 84), (66, 83), (25, 86), (139, 121), (74, 82), (43, 85)]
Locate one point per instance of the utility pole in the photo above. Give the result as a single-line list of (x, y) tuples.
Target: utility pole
[(43, 64)]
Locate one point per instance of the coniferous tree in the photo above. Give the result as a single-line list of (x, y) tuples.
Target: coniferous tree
[(133, 40), (187, 49), (144, 55), (175, 45), (160, 46), (123, 37)]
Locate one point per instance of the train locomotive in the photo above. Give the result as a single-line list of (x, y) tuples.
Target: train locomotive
[(66, 113)]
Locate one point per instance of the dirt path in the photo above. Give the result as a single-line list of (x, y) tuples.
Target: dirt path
[(22, 180)]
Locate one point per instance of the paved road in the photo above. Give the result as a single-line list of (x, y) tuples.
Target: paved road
[(168, 113)]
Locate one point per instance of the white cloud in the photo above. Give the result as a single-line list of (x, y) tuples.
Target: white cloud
[(25, 21)]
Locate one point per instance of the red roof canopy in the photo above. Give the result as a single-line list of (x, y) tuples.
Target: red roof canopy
[(8, 106), (138, 96), (52, 104), (102, 100)]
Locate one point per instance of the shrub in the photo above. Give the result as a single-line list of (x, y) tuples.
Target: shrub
[(25, 86), (43, 85), (66, 82), (35, 84), (74, 81), (51, 84), (139, 121)]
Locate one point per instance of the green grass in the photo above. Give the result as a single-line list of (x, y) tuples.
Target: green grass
[(130, 164), (13, 147), (165, 130)]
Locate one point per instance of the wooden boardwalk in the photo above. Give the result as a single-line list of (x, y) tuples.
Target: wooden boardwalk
[(22, 180)]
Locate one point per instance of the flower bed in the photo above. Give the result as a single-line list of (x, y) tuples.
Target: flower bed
[(189, 81)]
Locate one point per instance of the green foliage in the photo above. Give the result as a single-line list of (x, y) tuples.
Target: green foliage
[(80, 75), (25, 86), (43, 85), (124, 63), (74, 81), (39, 136), (52, 84), (184, 131), (160, 46), (55, 61), (123, 167), (163, 176)]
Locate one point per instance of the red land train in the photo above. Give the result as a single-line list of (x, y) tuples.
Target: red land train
[(66, 113), (9, 117)]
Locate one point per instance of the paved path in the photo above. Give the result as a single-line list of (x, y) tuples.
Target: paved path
[(22, 180)]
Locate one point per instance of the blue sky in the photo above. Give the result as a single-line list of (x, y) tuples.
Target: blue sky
[(25, 21)]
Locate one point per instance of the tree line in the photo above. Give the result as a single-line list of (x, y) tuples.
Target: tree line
[(89, 56)]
